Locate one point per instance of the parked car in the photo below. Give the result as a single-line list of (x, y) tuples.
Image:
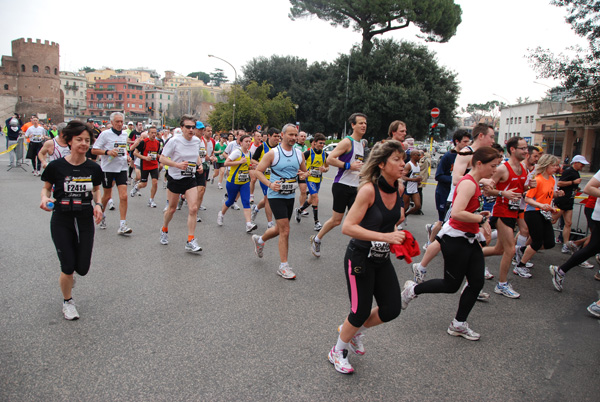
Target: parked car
[(330, 147)]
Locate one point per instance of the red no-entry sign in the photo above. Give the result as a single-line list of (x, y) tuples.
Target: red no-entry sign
[(435, 112)]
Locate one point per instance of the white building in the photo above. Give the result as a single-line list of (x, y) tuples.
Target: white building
[(74, 87), (520, 120)]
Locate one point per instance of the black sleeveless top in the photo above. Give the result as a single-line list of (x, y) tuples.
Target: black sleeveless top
[(379, 218)]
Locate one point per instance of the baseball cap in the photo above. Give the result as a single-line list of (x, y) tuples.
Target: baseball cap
[(90, 120), (199, 125), (580, 159), (130, 123)]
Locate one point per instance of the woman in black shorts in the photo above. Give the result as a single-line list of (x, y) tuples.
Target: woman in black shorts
[(371, 222), (76, 182)]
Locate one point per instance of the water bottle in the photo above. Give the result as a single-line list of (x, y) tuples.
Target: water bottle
[(50, 205)]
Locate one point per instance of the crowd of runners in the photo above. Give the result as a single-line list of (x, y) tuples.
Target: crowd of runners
[(488, 203)]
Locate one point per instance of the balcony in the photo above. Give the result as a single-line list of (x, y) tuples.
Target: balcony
[(71, 88)]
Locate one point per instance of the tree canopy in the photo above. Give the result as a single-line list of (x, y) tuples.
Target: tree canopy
[(201, 75), (218, 77), (254, 107), (437, 19), (480, 110), (579, 73)]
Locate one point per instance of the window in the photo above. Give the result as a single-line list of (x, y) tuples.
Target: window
[(531, 118), (160, 105), (47, 70), (152, 96), (127, 96), (146, 96), (66, 92), (22, 68), (56, 71), (140, 105), (36, 69), (99, 96), (169, 97), (110, 96), (526, 119), (141, 97), (110, 87), (519, 119), (160, 96), (511, 120), (91, 96), (120, 96), (67, 101), (507, 120), (6, 87), (101, 86)]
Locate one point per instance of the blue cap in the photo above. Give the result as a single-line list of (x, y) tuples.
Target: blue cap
[(199, 125)]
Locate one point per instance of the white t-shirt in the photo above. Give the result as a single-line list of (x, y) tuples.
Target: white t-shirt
[(231, 147), (596, 213), (206, 149), (35, 134), (180, 150), (412, 187), (107, 141)]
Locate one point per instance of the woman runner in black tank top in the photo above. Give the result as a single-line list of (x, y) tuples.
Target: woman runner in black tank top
[(371, 222)]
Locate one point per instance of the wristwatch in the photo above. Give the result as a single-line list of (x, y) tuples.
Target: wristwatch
[(483, 220)]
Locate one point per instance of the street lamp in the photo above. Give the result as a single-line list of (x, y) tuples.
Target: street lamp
[(509, 115), (234, 82)]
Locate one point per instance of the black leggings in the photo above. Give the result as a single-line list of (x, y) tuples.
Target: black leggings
[(73, 236), (365, 279), (540, 230), (583, 254), (461, 258)]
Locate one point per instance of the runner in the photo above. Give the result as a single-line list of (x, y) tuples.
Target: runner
[(538, 213), (256, 142), (207, 149), (301, 145), (348, 158), (412, 178), (147, 151), (558, 273), (181, 154), (371, 222), (287, 165), (112, 148), (220, 162), (510, 178), (534, 154), (36, 135), (273, 139), (238, 181), (463, 256), (55, 148), (76, 182), (316, 166)]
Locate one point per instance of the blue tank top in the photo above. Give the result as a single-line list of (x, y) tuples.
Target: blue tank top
[(285, 169)]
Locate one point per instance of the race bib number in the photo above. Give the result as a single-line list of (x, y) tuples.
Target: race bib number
[(202, 152), (153, 156), (316, 173), (190, 171), (513, 205), (358, 157), (268, 172), (121, 148), (288, 186), (243, 176), (379, 250), (78, 187)]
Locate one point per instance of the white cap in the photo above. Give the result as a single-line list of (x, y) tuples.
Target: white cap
[(580, 159)]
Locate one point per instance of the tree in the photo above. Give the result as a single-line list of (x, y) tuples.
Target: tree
[(437, 19), (580, 72), (218, 77), (253, 107), (481, 110), (201, 75), (87, 69)]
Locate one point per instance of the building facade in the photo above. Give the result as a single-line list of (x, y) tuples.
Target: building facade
[(74, 87), (30, 81), (116, 94), (521, 120)]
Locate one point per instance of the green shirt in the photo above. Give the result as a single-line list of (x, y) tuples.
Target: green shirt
[(219, 148)]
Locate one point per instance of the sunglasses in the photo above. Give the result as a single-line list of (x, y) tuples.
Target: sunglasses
[(190, 127)]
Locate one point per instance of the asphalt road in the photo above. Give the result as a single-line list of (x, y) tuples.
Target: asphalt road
[(159, 324)]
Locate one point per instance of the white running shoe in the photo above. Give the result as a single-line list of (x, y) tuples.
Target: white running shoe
[(123, 229), (587, 265), (523, 272), (220, 186), (111, 204), (202, 208), (464, 331), (340, 361), (315, 247), (557, 278), (151, 204), (297, 214), (102, 224), (419, 274), (198, 219), (506, 290), (179, 203), (304, 213), (220, 218), (254, 213), (164, 237), (565, 249), (356, 343), (70, 311), (250, 227), (318, 226), (133, 191), (235, 206), (192, 246), (408, 293), (487, 274), (286, 272), (270, 225), (258, 248)]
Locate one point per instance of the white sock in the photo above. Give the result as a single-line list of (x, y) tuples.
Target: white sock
[(458, 323), (341, 345), (122, 222), (317, 240), (494, 234), (422, 268), (283, 264), (260, 240), (521, 240)]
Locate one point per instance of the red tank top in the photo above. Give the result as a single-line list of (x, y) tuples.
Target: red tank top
[(150, 148), (504, 207), (475, 204)]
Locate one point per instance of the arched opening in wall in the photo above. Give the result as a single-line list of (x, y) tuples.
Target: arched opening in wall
[(47, 70), (36, 69), (6, 87), (22, 68), (55, 71)]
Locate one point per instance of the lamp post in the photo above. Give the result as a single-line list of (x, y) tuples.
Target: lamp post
[(234, 82), (509, 115)]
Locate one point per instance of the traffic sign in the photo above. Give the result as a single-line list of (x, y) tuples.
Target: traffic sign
[(258, 127), (435, 112)]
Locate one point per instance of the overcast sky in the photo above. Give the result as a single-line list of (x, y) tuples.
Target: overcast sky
[(488, 51)]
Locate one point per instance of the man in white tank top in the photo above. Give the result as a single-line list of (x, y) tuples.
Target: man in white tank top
[(412, 178), (55, 148)]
